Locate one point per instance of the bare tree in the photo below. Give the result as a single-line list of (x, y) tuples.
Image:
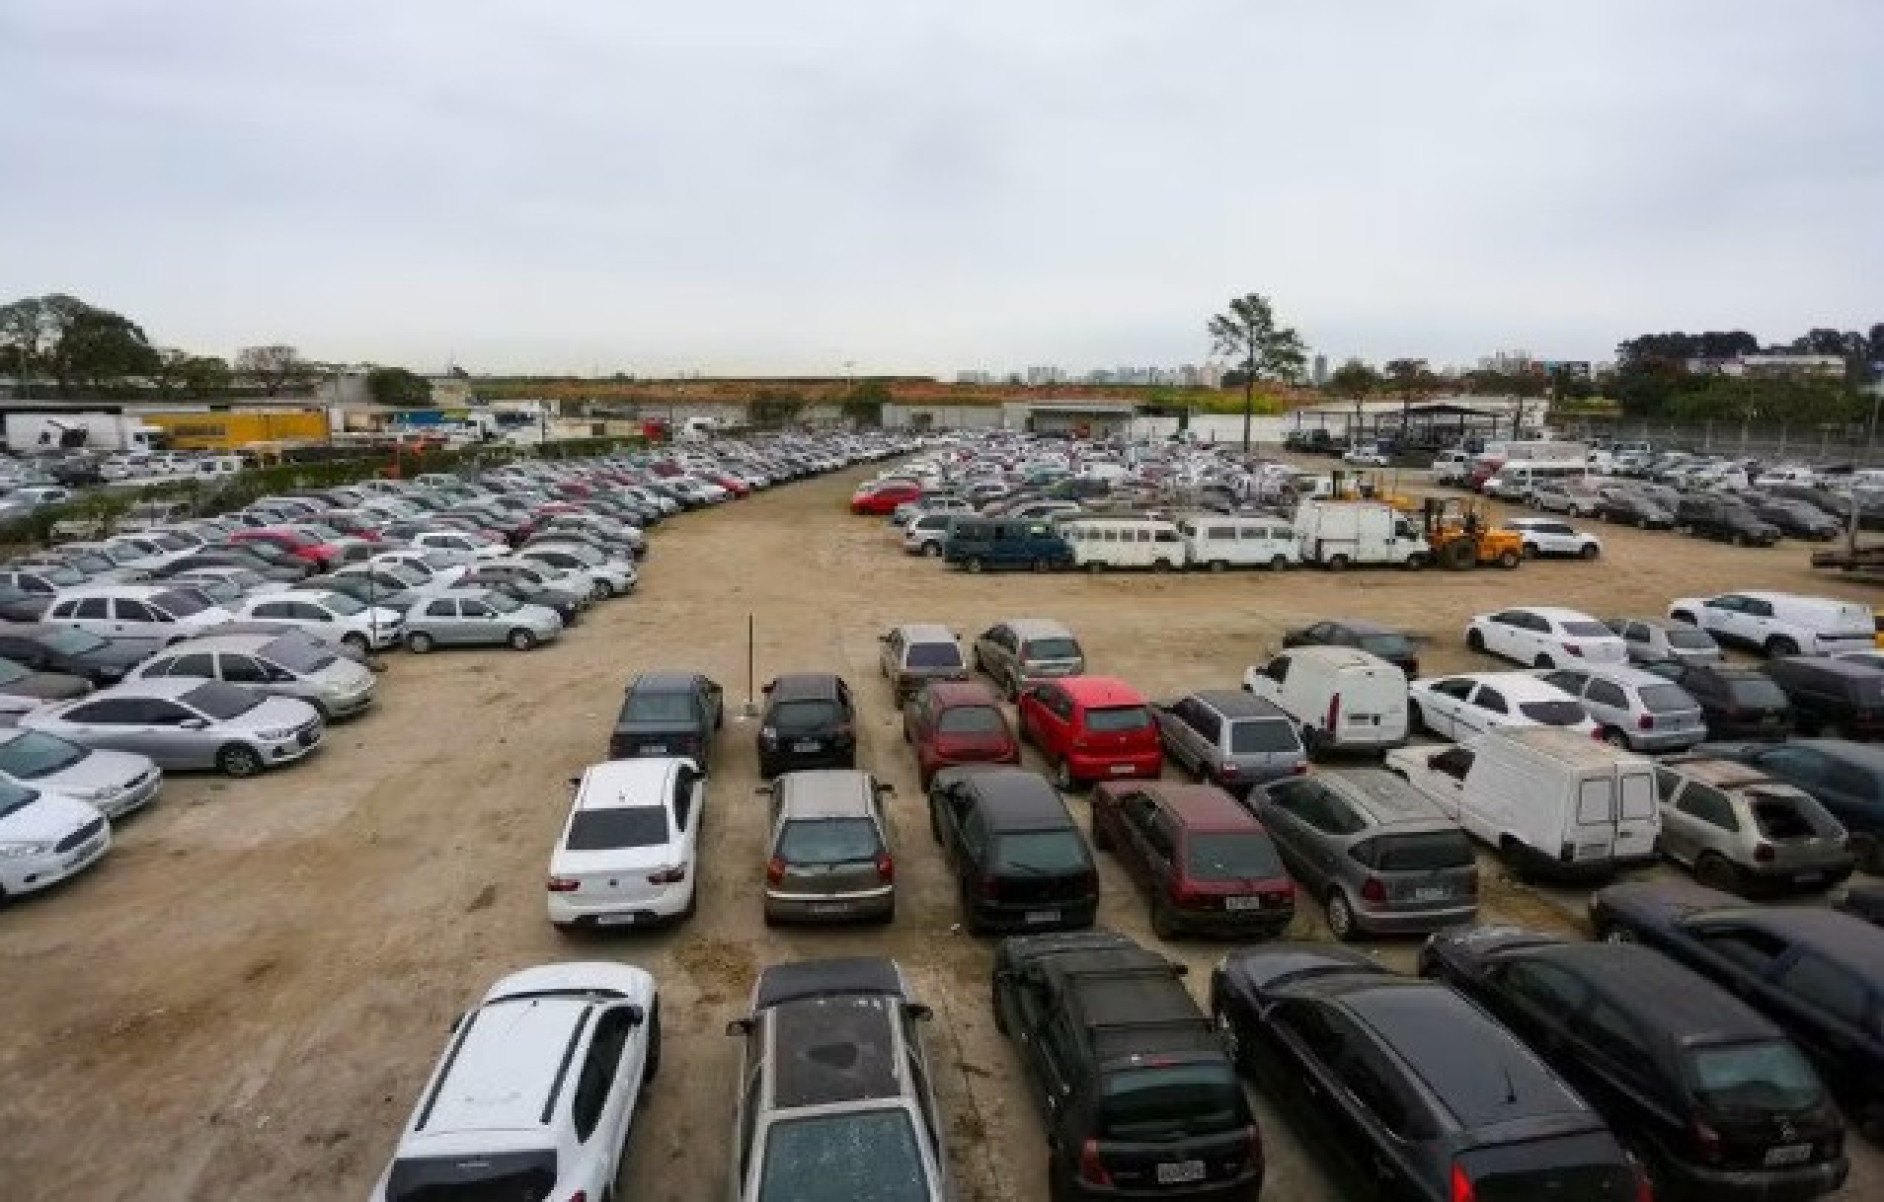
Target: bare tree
[(1247, 333), (274, 368)]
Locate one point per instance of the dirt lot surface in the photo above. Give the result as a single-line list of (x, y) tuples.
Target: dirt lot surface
[(242, 1001)]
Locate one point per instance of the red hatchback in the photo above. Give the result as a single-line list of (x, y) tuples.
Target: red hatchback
[(301, 546), (882, 499), (1205, 862), (952, 722), (1091, 728)]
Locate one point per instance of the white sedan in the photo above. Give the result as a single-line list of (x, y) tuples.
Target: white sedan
[(628, 855), (1545, 636), (45, 838), (1461, 708), (335, 617)]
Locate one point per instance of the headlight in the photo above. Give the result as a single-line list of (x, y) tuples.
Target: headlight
[(97, 794), (19, 851), (279, 732)]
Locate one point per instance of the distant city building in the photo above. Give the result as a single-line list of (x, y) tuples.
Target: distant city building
[(1508, 363), (974, 377), (1045, 374), (1577, 369), (1321, 370), (1770, 366)]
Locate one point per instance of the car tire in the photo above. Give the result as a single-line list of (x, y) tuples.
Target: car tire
[(521, 640), (1868, 853), (1217, 565), (931, 550), (1337, 563), (653, 1068), (1714, 871), (1589, 551), (1530, 550), (1780, 645), (1641, 523), (599, 591), (1415, 719), (994, 1008), (972, 565), (935, 825), (1475, 642), (418, 642), (1340, 913), (356, 641), (1094, 567), (1615, 737), (1063, 776), (1279, 564), (1160, 566), (239, 760), (1508, 560), (1544, 662), (1163, 922)]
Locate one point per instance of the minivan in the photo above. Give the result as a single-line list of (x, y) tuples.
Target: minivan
[(1004, 543), (1343, 699), (1122, 542), (1236, 541)]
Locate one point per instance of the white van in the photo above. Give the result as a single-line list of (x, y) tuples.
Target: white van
[(1551, 800), (1340, 534), (1219, 542), (1452, 467), (1343, 699), (1123, 542), (1517, 477)]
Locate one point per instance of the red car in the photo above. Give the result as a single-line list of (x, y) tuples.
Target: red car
[(882, 499), (1206, 863), (739, 488), (954, 722), (1091, 728), (301, 546)]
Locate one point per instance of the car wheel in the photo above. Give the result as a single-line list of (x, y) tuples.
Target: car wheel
[(1217, 565), (1615, 738), (1612, 933), (1063, 776), (419, 642), (239, 760), (1868, 852), (994, 1008), (1341, 917), (1161, 565), (1780, 645), (1590, 551), (1279, 564), (356, 641), (1475, 641), (1163, 922), (1337, 563), (973, 565), (931, 550), (1508, 560), (599, 591), (1416, 719), (1530, 550), (1641, 523), (1544, 662), (521, 640), (1094, 567), (935, 825), (1713, 870)]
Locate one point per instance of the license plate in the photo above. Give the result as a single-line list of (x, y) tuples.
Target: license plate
[(1043, 916), (614, 920), (1431, 893), (1120, 769), (827, 907), (805, 745), (655, 748), (1592, 851), (1180, 1172), (1789, 1154), (1242, 903)]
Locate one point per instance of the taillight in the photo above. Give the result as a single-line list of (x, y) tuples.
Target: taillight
[(1184, 897), (1644, 1188), (774, 871), (1299, 770), (1763, 852), (1645, 722), (1375, 890), (1706, 1141), (1334, 711), (1092, 1170), (886, 867), (1254, 1152), (1462, 1190), (562, 884), (668, 876), (581, 1195), (1228, 768)]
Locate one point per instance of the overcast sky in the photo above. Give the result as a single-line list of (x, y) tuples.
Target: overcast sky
[(752, 186)]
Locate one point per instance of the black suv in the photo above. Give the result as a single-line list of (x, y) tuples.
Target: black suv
[(1818, 973), (1846, 778), (1417, 1090), (668, 713), (1137, 1095), (1832, 696), (809, 722), (1019, 861), (1384, 641), (1724, 518), (1708, 1092), (1736, 703)]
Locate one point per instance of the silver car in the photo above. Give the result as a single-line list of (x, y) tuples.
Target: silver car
[(829, 855), (478, 618), (116, 782), (270, 663), (1658, 640), (1740, 830), (608, 577), (185, 723), (1023, 649), (1633, 707), (1229, 738), (918, 652)]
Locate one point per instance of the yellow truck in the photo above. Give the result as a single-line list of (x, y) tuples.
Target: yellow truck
[(232, 430)]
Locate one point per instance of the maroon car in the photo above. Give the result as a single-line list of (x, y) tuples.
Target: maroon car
[(952, 722)]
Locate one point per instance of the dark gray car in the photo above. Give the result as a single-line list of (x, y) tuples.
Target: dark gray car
[(23, 690), (1230, 738), (829, 855), (668, 713)]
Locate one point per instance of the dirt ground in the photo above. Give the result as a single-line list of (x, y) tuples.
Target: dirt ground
[(242, 1001)]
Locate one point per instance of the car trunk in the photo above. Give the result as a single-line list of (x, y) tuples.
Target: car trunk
[(1760, 1106), (1170, 1126), (1797, 837), (609, 855), (642, 738)]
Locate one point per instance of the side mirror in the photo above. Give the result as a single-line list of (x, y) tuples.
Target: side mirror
[(1182, 970), (739, 1028), (636, 1015), (194, 724)]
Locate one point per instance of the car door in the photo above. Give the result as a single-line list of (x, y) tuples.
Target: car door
[(1721, 615), (1826, 1007), (440, 619), (1179, 724), (1443, 702), (1505, 636), (1308, 825), (1486, 708), (1132, 843), (133, 619), (1536, 999), (602, 1103)]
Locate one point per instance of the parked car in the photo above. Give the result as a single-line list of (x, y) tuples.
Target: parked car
[(23, 690), (116, 783), (1736, 702), (628, 854), (1653, 640), (809, 721), (1019, 650), (1703, 1089), (485, 574), (271, 664), (588, 1038), (1832, 695), (1778, 624), (668, 714), (1739, 830), (1547, 537), (1544, 636), (1794, 519), (1135, 1090), (952, 722), (1417, 1089), (1205, 863), (1633, 707), (1724, 518), (836, 1088), (1818, 973), (1628, 507), (1379, 856), (46, 837), (478, 618), (156, 612), (1229, 738), (917, 652), (1017, 857), (1091, 728), (1846, 778), (1461, 708), (829, 856), (1384, 641), (1341, 699), (186, 723), (334, 616), (881, 499)]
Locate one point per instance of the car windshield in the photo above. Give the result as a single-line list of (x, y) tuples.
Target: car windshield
[(15, 797), (437, 559), (179, 603), (1040, 853), (934, 655), (580, 552), (862, 1156), (1665, 698), (971, 720), (1756, 692), (618, 826), (31, 755), (645, 705), (68, 641), (89, 561), (1172, 1101), (221, 701), (300, 656), (60, 574), (342, 604), (828, 841), (1588, 630), (1112, 719), (1687, 638), (1258, 736), (11, 672), (1422, 851), (1763, 1076), (1232, 856), (1552, 713), (1039, 649), (1387, 646), (807, 713)]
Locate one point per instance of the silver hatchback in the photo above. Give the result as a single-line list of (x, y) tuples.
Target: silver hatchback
[(278, 666), (1740, 830), (1634, 708), (478, 618)]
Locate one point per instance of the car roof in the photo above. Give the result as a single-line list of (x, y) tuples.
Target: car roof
[(1015, 799), (664, 682), (1101, 691), (1235, 703), (829, 1050), (1669, 998), (1386, 799), (510, 1057), (1129, 1000), (1851, 669), (1866, 755), (1558, 613), (1623, 674), (147, 686), (925, 632), (1202, 807), (1037, 628), (1514, 684), (803, 686), (826, 793), (1569, 747), (247, 644), (1358, 625), (624, 784), (1337, 657), (1848, 940)]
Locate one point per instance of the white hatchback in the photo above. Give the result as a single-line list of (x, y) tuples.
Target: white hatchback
[(336, 617), (628, 854), (1545, 636), (1461, 708)]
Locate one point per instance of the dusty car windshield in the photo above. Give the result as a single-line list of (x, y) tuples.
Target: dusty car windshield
[(1038, 649), (971, 720), (645, 706), (871, 1156), (828, 841), (1258, 736), (807, 714), (1113, 719), (934, 655), (31, 755), (1040, 853), (1766, 1075)]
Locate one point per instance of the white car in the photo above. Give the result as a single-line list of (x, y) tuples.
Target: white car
[(45, 838), (466, 547), (1545, 636), (1547, 536), (628, 854), (537, 1090), (435, 570), (1780, 623), (335, 617), (606, 577), (1461, 708), (136, 611), (116, 782)]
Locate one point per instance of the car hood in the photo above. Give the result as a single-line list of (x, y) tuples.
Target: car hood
[(47, 819), (273, 713), (99, 770)]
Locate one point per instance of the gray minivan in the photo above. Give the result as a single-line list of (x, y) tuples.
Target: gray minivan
[(1023, 649), (1379, 856)]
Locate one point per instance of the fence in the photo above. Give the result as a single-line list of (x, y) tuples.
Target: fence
[(1816, 444)]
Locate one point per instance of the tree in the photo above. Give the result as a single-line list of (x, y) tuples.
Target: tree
[(1355, 379), (206, 375), (771, 408), (398, 387), (274, 368), (1248, 334), (863, 404), (72, 343)]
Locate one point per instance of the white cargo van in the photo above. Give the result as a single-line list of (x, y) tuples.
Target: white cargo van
[(1515, 479), (1340, 534), (1552, 801), (1122, 542), (1217, 542), (1341, 698)]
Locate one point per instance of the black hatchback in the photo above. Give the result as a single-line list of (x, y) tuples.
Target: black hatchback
[(1019, 861), (809, 722), (1736, 703)]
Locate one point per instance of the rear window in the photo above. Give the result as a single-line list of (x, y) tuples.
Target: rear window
[(1422, 851), (828, 841), (1782, 819), (971, 720), (623, 826), (1172, 1102), (1665, 698), (1756, 692), (934, 655), (1051, 649), (1257, 737), (1589, 630), (1686, 638), (1112, 719), (494, 1177), (1232, 856), (1768, 1075), (808, 714), (644, 706), (861, 1157), (1552, 713), (1575, 1168), (1596, 801), (1040, 853)]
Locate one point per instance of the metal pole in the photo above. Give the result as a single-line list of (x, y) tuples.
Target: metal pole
[(752, 700)]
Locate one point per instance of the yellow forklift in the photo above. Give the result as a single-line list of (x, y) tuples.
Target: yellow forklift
[(1463, 536)]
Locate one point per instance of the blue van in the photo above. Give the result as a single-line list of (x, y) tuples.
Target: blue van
[(1005, 543)]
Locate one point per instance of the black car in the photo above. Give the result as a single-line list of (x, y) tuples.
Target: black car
[(1846, 778), (51, 648), (1708, 1092), (1384, 641), (668, 713), (1018, 859), (1415, 1089), (1795, 519), (1138, 1098), (1832, 696), (1736, 703), (1817, 973), (1866, 900), (809, 722), (1726, 519), (1628, 507)]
